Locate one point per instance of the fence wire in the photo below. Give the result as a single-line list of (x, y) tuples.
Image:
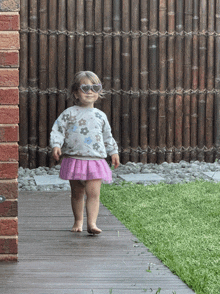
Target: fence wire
[(132, 34), (112, 91), (130, 150)]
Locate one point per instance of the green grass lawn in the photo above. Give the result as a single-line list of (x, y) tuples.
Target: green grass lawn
[(180, 224)]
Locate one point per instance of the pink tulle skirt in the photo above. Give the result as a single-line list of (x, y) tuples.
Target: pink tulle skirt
[(84, 170)]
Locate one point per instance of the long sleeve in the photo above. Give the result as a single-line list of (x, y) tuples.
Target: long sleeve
[(57, 134), (109, 141), (83, 132)]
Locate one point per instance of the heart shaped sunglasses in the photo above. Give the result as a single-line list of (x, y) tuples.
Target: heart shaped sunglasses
[(96, 88)]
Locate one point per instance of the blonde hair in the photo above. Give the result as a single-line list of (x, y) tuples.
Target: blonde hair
[(79, 78)]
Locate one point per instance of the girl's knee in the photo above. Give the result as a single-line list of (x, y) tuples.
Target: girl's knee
[(93, 187), (77, 188)]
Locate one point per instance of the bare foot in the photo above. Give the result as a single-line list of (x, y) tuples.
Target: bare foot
[(93, 230), (77, 227)]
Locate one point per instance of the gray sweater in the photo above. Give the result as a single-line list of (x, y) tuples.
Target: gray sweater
[(83, 133)]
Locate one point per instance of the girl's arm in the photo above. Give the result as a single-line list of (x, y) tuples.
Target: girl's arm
[(110, 144), (115, 160), (57, 134), (56, 153)]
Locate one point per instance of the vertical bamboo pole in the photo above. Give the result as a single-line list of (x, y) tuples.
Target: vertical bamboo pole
[(217, 82), (116, 99), (23, 97), (210, 82), (195, 71), (79, 38), (135, 80), (33, 82), (107, 56), (61, 74), (153, 78), (89, 44), (125, 60), (202, 78), (42, 153), (162, 82), (70, 47), (171, 81), (179, 80), (143, 81), (187, 78), (52, 80), (98, 43)]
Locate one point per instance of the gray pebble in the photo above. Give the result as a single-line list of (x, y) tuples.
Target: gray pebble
[(53, 172), (172, 173)]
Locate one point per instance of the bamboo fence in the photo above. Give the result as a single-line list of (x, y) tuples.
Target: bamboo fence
[(23, 97), (33, 83), (170, 81), (159, 62), (43, 57)]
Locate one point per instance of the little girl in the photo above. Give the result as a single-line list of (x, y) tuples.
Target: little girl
[(82, 135)]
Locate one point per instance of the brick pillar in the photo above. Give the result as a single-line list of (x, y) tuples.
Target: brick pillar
[(9, 118)]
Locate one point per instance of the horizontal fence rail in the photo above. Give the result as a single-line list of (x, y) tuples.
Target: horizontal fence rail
[(120, 34), (122, 92), (159, 62)]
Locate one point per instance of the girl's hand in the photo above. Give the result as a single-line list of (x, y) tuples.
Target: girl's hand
[(115, 160), (56, 153)]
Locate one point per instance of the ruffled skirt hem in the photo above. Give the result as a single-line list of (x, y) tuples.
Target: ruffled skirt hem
[(84, 170)]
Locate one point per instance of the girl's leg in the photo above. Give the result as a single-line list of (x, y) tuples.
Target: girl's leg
[(92, 205), (77, 201)]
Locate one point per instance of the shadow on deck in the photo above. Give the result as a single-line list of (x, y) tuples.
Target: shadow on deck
[(54, 260)]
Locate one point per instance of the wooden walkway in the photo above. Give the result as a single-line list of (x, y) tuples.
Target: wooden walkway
[(54, 260)]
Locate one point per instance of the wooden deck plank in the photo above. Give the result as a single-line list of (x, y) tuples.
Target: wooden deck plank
[(54, 260)]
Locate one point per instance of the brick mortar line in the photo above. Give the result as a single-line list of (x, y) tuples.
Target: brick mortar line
[(11, 69), (8, 218), (15, 106), (8, 88), (9, 162), (7, 255), (10, 200), (16, 32), (9, 237), (9, 143), (9, 13), (9, 50), (8, 181), (9, 125), (3, 257)]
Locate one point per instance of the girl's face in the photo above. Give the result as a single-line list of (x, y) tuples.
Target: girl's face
[(86, 99)]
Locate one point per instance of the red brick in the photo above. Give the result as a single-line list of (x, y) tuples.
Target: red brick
[(9, 22), (9, 96), (8, 152), (9, 133), (8, 227), (8, 170), (9, 40), (8, 257), (9, 115), (9, 77), (9, 189), (9, 246), (9, 209), (9, 58)]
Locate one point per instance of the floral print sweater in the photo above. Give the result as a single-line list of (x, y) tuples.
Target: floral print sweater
[(83, 132)]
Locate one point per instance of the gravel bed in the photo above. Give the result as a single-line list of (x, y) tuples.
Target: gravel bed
[(172, 173)]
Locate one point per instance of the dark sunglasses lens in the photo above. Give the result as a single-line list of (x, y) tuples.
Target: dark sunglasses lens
[(85, 88), (97, 88)]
